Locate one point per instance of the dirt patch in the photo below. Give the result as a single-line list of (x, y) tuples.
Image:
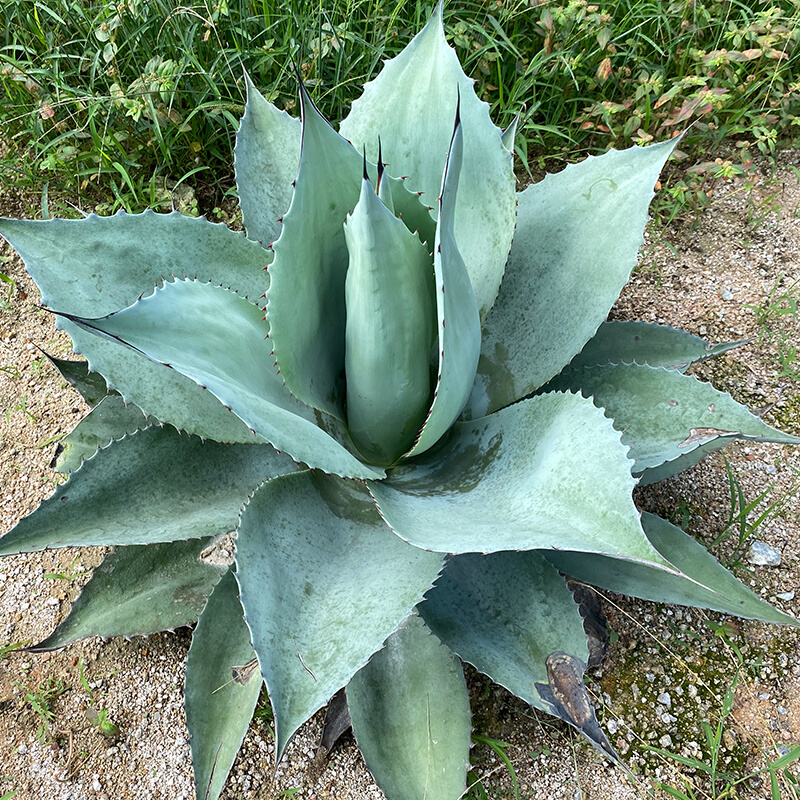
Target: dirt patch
[(709, 278)]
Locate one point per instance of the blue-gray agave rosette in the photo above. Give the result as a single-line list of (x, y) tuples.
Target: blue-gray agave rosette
[(399, 389)]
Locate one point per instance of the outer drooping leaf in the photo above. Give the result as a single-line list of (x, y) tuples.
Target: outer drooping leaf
[(111, 419), (410, 712), (457, 310), (704, 582), (152, 486), (389, 330), (94, 266), (664, 414), (411, 105), (311, 551), (140, 590), (218, 708), (646, 343), (265, 159), (549, 474), (218, 339), (578, 234), (511, 616), (90, 385)]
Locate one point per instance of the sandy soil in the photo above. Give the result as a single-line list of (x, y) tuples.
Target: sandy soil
[(667, 672)]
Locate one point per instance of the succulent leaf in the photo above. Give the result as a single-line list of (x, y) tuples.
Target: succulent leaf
[(218, 339), (97, 265), (665, 414), (703, 581), (410, 712), (90, 385), (109, 420), (389, 332), (265, 160), (152, 486), (577, 238), (512, 617), (310, 549), (534, 475), (457, 311), (306, 294), (218, 707), (140, 590), (646, 343), (413, 97)]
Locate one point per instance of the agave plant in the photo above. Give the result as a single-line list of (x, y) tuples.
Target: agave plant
[(398, 389)]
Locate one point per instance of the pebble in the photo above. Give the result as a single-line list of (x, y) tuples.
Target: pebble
[(763, 555), (727, 294), (665, 699), (665, 741), (22, 749), (785, 595)]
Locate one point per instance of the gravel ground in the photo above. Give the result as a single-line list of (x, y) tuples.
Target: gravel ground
[(666, 673)]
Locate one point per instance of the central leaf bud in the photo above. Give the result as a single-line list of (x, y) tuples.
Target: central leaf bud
[(391, 325)]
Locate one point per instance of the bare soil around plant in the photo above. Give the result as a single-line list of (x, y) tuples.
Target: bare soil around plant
[(666, 672)]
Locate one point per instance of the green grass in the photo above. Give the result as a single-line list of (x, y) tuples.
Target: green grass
[(119, 97)]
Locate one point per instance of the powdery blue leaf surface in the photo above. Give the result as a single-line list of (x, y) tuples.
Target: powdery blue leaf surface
[(140, 590), (389, 330), (98, 265), (109, 420), (310, 550), (646, 343), (410, 712), (266, 156), (411, 105), (153, 486), (549, 472), (704, 582), (459, 324), (219, 708), (512, 617), (219, 340), (577, 238), (664, 414)]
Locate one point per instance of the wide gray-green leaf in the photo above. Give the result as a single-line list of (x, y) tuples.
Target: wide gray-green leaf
[(109, 420), (140, 590), (549, 474), (512, 617), (664, 414), (311, 551), (266, 156), (459, 324), (218, 707), (411, 105), (153, 486), (306, 294), (90, 385), (577, 237), (646, 343), (218, 339), (389, 330), (410, 712), (704, 582), (97, 265)]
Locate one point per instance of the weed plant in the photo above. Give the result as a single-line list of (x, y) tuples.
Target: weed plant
[(128, 94)]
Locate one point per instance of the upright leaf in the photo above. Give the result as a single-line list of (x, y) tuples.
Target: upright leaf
[(410, 105), (459, 321), (577, 238), (410, 712)]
